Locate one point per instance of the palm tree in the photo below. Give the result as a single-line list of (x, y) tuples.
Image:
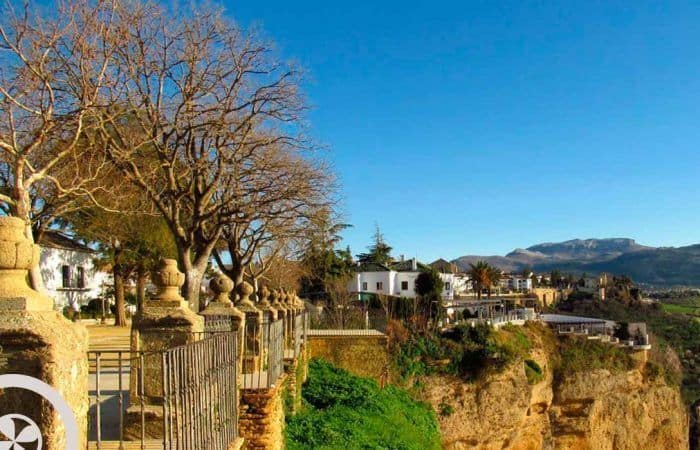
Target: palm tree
[(494, 278), (479, 273)]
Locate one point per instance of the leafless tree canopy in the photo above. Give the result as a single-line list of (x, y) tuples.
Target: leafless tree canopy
[(217, 112), (272, 221), (52, 72), (197, 113)]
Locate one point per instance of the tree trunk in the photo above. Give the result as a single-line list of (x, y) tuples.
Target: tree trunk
[(22, 210), (119, 302), (235, 273), (194, 274), (141, 279)]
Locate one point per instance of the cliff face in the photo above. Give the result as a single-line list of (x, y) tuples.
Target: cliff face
[(588, 410)]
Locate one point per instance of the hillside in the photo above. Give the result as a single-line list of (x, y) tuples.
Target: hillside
[(659, 266), (550, 393)]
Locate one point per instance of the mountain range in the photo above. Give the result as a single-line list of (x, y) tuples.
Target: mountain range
[(655, 266)]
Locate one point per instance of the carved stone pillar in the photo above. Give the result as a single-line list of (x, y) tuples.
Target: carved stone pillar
[(38, 341), (166, 321), (269, 312), (221, 306), (252, 335)]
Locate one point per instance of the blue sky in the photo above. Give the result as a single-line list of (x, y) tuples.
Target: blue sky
[(477, 127)]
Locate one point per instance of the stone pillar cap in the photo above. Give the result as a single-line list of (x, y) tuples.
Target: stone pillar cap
[(18, 254), (168, 279), (244, 303)]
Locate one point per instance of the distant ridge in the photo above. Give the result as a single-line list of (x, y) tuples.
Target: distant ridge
[(658, 266)]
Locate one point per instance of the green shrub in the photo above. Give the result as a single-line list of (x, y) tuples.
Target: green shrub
[(343, 411), (470, 352), (578, 355), (533, 371), (446, 409), (653, 370)]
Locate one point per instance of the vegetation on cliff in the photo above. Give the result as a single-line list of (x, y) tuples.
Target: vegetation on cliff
[(343, 411), (525, 387), (464, 351), (672, 333)]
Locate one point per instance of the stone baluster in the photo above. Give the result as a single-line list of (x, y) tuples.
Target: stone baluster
[(281, 308), (276, 297), (265, 306), (164, 322), (222, 306), (253, 349), (38, 342)]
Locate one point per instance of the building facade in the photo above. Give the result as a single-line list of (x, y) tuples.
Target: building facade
[(397, 279), (69, 272)]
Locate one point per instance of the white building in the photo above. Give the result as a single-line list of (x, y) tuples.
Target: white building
[(69, 272), (397, 279), (463, 284), (516, 282)]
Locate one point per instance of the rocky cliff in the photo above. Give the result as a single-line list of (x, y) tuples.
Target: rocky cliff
[(594, 409)]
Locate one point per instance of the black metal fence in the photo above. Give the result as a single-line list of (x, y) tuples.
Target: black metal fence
[(200, 394), (298, 333), (197, 396), (109, 393), (263, 353)]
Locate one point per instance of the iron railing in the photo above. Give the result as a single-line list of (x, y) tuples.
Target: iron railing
[(197, 395), (307, 327), (200, 394), (110, 394), (263, 353), (298, 333)]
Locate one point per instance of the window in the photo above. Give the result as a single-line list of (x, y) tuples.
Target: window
[(404, 285), (73, 278), (364, 286), (380, 285), (80, 277), (447, 286), (65, 272)]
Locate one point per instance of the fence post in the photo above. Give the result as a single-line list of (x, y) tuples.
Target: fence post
[(39, 342), (252, 337), (222, 306), (289, 319), (165, 321), (277, 296), (265, 306)]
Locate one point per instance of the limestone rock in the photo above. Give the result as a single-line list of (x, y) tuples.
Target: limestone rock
[(588, 410)]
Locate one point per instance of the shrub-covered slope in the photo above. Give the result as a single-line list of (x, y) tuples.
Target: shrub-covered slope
[(342, 411)]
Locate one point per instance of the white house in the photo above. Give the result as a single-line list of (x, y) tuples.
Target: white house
[(516, 282), (68, 270), (462, 284), (397, 279)]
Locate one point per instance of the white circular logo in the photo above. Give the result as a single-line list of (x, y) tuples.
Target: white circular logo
[(18, 432)]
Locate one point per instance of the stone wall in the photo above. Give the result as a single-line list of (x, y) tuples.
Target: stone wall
[(297, 370), (363, 355), (261, 417), (549, 296), (45, 346)]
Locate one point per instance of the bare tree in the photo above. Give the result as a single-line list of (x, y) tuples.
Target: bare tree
[(205, 98), (52, 73), (272, 221)]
